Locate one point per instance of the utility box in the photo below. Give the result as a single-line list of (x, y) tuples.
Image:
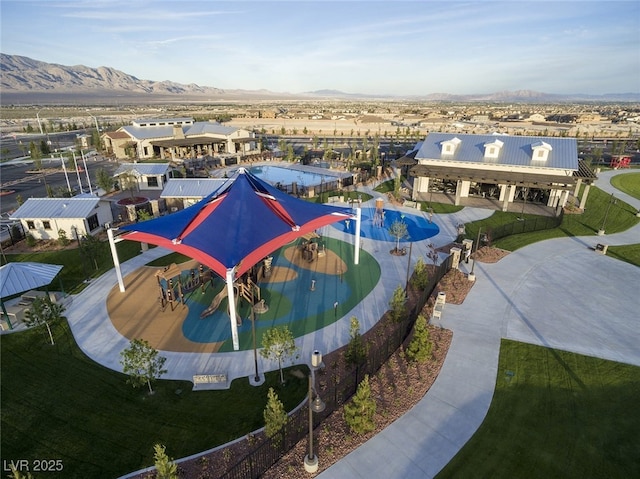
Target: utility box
[(602, 248)]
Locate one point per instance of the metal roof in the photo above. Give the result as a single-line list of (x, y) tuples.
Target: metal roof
[(165, 132), (192, 187), (204, 127), (143, 169), (35, 208), (516, 150)]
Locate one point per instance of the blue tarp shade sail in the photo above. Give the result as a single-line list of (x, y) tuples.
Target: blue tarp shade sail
[(237, 225), (16, 278)]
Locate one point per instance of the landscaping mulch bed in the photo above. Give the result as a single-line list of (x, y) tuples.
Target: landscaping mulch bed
[(397, 387)]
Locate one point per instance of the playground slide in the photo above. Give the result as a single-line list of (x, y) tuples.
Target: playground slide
[(215, 303)]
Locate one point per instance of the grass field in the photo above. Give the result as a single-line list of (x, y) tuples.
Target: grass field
[(600, 209), (555, 415), (58, 404), (629, 183)]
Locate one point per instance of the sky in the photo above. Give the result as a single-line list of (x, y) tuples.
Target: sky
[(370, 47)]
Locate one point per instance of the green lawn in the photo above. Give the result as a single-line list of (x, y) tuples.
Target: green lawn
[(556, 415), (620, 216), (629, 253), (629, 183), (58, 404), (77, 267)]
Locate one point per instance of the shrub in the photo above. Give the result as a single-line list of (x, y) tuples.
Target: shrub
[(420, 278), (419, 349), (360, 411), (398, 305), (356, 349)]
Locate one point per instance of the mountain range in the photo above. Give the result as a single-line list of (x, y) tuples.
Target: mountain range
[(27, 80)]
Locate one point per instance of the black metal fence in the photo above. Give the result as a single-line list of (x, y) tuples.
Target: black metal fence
[(525, 226), (335, 391)]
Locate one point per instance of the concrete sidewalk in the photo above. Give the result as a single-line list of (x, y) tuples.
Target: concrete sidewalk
[(99, 339), (558, 293)]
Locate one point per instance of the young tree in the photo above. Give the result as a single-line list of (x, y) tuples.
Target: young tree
[(420, 278), (278, 345), (356, 349), (398, 304), (142, 363), (398, 230), (165, 467), (62, 237), (91, 248), (360, 411), (275, 417), (44, 311), (104, 180), (419, 349)]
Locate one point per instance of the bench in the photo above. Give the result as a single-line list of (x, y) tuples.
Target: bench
[(202, 381), (411, 204)]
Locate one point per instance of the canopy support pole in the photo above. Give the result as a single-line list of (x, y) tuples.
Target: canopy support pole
[(6, 315), (232, 308), (116, 261), (356, 254)]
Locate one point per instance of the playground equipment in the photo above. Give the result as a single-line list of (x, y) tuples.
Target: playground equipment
[(378, 215), (620, 161), (247, 290), (173, 284)]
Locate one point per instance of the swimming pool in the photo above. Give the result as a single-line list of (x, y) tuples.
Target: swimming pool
[(418, 227), (309, 176)]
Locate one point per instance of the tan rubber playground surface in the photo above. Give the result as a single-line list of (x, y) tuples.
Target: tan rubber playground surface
[(137, 313)]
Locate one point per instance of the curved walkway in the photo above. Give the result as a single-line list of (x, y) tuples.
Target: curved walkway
[(99, 339), (557, 293)]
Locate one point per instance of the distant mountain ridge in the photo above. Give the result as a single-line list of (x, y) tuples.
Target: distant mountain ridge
[(23, 77)]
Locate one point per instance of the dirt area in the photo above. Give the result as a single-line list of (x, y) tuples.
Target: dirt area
[(397, 387)]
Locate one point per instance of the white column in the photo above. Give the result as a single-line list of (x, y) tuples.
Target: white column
[(116, 261), (232, 309), (356, 253)]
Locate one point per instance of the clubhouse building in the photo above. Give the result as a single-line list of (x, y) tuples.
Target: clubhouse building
[(503, 169), (178, 139)]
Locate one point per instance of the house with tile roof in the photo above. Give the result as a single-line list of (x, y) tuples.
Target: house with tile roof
[(44, 218), (504, 168)]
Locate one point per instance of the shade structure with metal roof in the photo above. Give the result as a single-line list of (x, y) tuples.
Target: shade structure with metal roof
[(16, 278), (235, 227)]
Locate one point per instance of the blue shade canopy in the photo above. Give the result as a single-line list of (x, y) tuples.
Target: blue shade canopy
[(16, 278), (237, 225)]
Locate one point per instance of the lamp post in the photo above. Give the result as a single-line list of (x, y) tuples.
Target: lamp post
[(258, 308), (612, 201), (472, 276), (315, 405), (39, 124)]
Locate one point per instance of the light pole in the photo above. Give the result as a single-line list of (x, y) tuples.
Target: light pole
[(258, 308), (315, 405), (612, 201), (39, 124), (472, 276)]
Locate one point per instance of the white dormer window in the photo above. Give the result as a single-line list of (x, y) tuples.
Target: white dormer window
[(449, 146), (492, 148), (540, 150)]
